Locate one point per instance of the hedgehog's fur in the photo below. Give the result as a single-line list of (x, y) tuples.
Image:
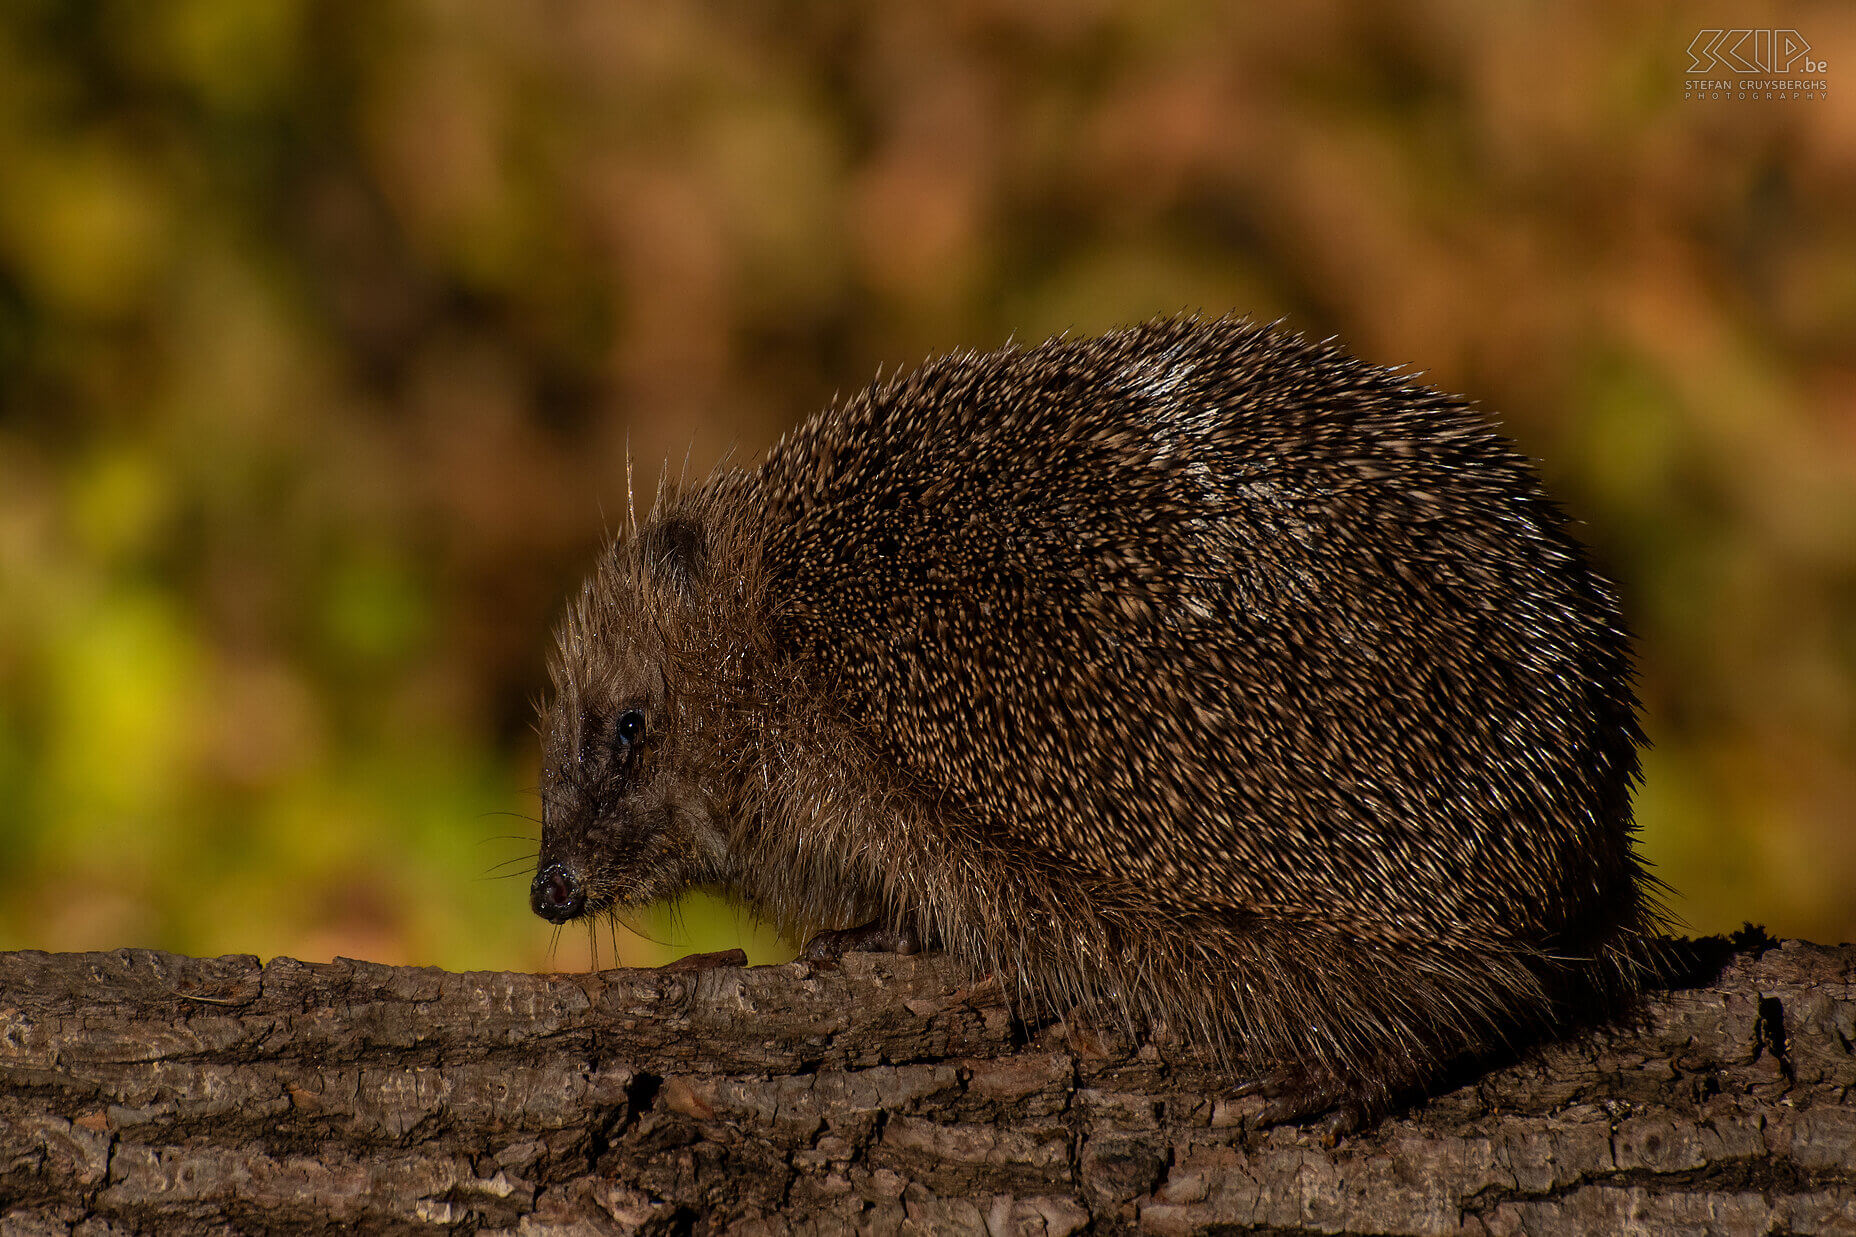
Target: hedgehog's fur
[(1197, 673)]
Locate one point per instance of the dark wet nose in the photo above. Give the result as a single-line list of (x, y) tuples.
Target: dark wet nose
[(557, 894)]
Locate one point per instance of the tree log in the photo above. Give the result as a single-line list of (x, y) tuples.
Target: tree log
[(147, 1092)]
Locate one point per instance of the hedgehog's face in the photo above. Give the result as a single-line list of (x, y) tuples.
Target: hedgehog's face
[(623, 823)]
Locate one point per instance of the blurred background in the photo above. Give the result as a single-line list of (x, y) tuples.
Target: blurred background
[(324, 329)]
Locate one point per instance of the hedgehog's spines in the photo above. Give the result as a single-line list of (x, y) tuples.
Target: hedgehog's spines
[(1199, 674)]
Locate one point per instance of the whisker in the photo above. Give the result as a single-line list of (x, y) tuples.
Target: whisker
[(637, 929), (512, 815)]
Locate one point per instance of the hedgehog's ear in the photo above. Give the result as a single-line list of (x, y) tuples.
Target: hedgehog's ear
[(677, 549)]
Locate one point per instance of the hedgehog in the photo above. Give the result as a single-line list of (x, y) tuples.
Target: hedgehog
[(1196, 674)]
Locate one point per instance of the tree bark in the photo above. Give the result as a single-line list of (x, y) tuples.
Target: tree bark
[(146, 1092)]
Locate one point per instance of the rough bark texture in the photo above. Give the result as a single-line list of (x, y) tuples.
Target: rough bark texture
[(145, 1092)]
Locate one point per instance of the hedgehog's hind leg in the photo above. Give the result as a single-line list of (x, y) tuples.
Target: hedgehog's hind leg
[(1335, 1028)]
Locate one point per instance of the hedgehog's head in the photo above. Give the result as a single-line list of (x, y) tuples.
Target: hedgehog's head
[(628, 813)]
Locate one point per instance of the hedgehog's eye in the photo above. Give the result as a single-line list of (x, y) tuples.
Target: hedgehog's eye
[(631, 728)]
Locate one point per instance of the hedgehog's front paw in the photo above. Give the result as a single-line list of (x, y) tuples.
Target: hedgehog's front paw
[(1294, 1095), (874, 937)]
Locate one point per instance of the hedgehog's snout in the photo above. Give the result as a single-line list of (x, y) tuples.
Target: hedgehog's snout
[(558, 893)]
